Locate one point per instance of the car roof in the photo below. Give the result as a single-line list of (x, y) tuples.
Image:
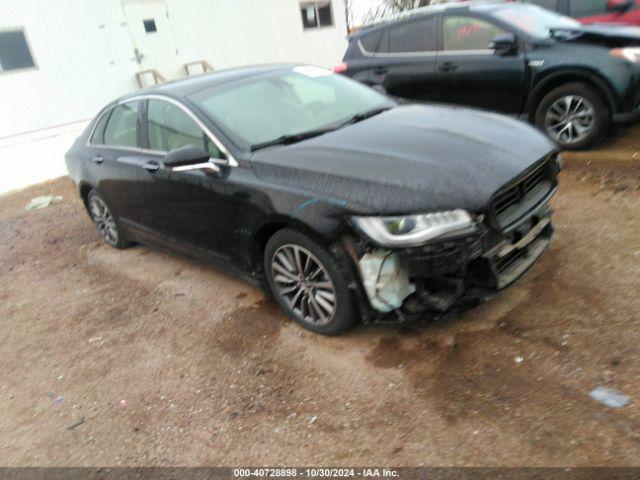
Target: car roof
[(182, 88), (485, 6)]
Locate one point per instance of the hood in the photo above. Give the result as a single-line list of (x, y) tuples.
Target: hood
[(413, 158), (611, 34)]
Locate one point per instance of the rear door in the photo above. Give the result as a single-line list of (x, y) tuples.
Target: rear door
[(472, 73), (115, 156), (405, 64)]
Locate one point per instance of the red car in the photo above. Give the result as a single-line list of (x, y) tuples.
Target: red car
[(595, 11)]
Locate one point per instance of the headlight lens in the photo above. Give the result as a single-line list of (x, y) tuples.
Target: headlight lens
[(631, 53), (413, 230)]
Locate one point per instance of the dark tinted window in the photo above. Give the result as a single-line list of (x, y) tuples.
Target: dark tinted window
[(324, 15), (122, 127), (585, 8), (14, 51), (150, 26), (468, 33), (548, 4), (370, 42), (316, 13), (417, 36), (309, 17)]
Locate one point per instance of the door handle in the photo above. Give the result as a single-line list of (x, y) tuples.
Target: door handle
[(448, 67), (380, 70), (98, 159), (151, 166)]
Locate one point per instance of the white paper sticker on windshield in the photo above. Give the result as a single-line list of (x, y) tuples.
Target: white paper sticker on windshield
[(311, 71)]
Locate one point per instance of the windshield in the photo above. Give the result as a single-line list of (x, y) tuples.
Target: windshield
[(534, 20), (304, 99)]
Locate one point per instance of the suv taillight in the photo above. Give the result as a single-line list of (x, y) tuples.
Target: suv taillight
[(340, 68)]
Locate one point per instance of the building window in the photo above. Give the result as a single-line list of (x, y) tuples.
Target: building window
[(15, 53), (150, 25), (316, 14)]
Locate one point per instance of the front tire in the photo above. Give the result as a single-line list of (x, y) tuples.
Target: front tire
[(105, 221), (308, 283), (575, 115)]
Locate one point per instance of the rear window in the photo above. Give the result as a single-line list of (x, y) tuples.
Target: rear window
[(370, 42), (418, 36), (98, 133), (122, 127)]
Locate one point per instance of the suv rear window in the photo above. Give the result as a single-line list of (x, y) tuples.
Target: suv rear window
[(370, 42), (417, 36)]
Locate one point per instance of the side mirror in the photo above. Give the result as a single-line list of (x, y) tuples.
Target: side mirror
[(504, 44), (619, 6), (189, 158)]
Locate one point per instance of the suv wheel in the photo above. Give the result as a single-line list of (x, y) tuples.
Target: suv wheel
[(308, 283), (574, 115), (105, 221)]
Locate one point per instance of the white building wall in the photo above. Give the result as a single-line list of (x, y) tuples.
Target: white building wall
[(84, 50)]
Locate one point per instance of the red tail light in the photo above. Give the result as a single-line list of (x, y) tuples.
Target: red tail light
[(339, 68)]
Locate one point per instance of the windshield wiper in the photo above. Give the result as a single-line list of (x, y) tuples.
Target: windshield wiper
[(368, 114), (291, 138), (298, 137)]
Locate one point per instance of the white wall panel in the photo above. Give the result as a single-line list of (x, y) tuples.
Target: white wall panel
[(83, 55), (84, 50)]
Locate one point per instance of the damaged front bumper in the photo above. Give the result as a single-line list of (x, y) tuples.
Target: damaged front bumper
[(445, 277)]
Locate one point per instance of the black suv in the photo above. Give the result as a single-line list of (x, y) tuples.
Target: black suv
[(569, 79)]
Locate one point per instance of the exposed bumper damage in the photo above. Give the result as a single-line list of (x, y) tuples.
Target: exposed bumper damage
[(458, 273)]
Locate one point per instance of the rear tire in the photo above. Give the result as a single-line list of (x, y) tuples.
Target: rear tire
[(308, 283), (574, 115), (105, 221)]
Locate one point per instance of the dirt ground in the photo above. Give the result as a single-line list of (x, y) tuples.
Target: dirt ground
[(140, 357)]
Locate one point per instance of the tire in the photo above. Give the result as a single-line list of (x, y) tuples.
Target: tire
[(307, 299), (106, 222), (587, 112)]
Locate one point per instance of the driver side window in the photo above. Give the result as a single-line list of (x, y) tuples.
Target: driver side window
[(468, 33), (169, 127)]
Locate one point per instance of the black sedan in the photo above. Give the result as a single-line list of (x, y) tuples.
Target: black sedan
[(571, 80), (344, 204)]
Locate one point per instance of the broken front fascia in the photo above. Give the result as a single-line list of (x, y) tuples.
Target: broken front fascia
[(385, 281)]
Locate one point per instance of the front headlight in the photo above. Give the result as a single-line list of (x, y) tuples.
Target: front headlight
[(631, 53), (414, 230)]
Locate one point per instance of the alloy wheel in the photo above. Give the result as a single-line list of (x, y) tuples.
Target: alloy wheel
[(570, 119), (104, 220), (304, 284)]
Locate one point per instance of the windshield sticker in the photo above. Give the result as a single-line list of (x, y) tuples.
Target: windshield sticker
[(311, 71)]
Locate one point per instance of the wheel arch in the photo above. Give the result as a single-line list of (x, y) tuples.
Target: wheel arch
[(563, 77), (269, 228), (83, 191)]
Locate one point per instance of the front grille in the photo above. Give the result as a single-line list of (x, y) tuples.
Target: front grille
[(511, 203)]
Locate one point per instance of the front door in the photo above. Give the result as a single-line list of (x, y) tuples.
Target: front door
[(197, 208), (154, 42), (472, 73), (115, 156), (406, 60)]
